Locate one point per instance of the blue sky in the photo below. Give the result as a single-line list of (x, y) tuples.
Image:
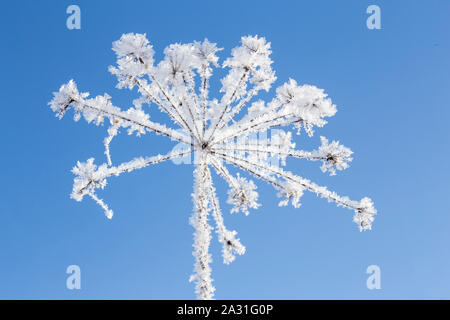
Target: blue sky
[(391, 89)]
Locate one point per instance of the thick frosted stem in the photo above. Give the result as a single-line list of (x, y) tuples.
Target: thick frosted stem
[(202, 235)]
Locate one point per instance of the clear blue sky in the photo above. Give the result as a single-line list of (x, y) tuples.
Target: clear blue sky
[(391, 87)]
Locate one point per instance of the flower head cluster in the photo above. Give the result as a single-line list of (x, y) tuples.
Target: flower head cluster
[(243, 195)]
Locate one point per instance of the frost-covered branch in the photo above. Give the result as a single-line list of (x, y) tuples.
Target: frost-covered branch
[(230, 244), (90, 177), (242, 193), (194, 110), (364, 210), (100, 107), (334, 156), (163, 105), (296, 105), (224, 173), (234, 111), (206, 53), (217, 120), (112, 132), (250, 61)]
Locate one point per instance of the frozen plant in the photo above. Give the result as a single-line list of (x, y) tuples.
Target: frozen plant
[(211, 128)]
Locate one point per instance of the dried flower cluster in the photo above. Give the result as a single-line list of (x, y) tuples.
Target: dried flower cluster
[(179, 86)]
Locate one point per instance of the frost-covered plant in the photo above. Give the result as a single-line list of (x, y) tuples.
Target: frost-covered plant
[(179, 86)]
